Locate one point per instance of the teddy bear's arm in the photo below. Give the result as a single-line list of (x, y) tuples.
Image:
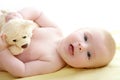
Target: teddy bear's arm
[(15, 50)]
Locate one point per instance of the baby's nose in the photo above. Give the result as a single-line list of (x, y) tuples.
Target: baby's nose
[(81, 47), (24, 46)]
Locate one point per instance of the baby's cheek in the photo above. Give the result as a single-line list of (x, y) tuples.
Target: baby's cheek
[(81, 57)]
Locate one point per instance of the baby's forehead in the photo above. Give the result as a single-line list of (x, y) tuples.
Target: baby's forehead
[(97, 39)]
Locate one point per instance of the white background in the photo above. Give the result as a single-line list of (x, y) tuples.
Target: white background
[(73, 14)]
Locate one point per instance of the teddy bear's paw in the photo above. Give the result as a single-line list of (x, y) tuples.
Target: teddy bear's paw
[(15, 50)]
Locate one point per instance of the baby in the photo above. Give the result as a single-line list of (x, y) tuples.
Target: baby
[(50, 51)]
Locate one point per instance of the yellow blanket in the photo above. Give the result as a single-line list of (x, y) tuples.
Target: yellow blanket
[(110, 72)]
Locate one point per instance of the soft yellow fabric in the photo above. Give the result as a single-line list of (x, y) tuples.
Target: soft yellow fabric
[(110, 72)]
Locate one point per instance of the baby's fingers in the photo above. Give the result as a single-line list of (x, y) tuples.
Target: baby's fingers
[(13, 15)]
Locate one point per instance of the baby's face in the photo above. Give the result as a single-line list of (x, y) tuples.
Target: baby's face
[(84, 48)]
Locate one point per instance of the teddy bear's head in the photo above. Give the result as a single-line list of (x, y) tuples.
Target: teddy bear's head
[(18, 34)]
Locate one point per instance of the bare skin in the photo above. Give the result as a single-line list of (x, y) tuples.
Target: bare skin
[(38, 57), (49, 51)]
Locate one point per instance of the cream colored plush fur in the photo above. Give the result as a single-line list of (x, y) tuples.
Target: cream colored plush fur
[(18, 33)]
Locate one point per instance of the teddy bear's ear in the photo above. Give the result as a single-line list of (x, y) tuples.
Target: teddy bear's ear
[(3, 14), (3, 36)]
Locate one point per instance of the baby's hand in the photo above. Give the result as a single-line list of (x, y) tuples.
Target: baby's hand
[(13, 15), (3, 44)]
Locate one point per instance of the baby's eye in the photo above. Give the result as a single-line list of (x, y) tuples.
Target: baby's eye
[(14, 40), (85, 37), (88, 55), (24, 37)]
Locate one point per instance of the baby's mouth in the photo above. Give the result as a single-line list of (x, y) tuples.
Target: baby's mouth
[(71, 49)]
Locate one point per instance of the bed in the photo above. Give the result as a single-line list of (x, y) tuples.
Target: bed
[(109, 72)]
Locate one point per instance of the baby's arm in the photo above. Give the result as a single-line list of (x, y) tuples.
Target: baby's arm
[(3, 44), (35, 15), (19, 69)]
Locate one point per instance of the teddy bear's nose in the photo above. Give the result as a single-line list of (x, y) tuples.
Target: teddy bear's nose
[(24, 46)]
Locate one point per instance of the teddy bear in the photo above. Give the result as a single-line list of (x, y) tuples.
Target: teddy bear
[(18, 33)]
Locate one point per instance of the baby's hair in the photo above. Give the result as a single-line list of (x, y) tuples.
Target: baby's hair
[(110, 45)]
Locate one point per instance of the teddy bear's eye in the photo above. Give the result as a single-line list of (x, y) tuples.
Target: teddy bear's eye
[(14, 40), (24, 37)]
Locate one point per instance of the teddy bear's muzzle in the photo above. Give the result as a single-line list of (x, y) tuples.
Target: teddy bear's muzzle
[(24, 46)]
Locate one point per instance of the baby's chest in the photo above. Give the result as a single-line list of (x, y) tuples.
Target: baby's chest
[(27, 56), (43, 44), (37, 50)]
